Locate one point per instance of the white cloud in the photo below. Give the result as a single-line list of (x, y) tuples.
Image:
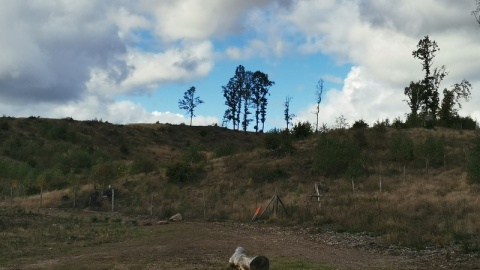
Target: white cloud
[(150, 70), (127, 21), (48, 49), (83, 54), (378, 38), (193, 19), (360, 98), (268, 35), (331, 78), (254, 48), (119, 112)]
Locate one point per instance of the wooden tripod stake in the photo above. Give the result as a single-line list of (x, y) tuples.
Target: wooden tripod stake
[(316, 195), (276, 202)]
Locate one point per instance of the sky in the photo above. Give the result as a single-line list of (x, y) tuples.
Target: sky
[(126, 61)]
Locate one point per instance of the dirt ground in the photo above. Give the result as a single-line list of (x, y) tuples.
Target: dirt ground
[(198, 245)]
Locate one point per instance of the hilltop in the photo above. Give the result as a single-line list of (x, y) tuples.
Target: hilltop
[(418, 198)]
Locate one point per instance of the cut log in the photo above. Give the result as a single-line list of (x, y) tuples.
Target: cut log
[(241, 261)]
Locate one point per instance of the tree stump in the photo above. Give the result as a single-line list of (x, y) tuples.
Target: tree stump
[(241, 261)]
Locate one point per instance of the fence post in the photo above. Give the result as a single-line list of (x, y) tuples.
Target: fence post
[(113, 199)]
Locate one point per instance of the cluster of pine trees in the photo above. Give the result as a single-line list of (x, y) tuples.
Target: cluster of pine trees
[(246, 90)]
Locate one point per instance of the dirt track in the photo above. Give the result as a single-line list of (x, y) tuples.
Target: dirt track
[(209, 245)]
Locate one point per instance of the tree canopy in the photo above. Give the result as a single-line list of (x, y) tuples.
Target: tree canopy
[(244, 91), (189, 102), (423, 96)]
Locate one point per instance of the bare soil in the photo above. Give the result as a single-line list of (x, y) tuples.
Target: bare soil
[(198, 245)]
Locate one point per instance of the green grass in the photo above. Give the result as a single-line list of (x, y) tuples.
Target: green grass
[(27, 234), (292, 263)]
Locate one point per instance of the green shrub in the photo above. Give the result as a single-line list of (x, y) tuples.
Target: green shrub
[(355, 169), (104, 174), (142, 165), (473, 163), (272, 141), (467, 123), (124, 149), (360, 138), (333, 156), (398, 124), (80, 159), (360, 124), (194, 154), (224, 149), (413, 121), (53, 179), (401, 147), (379, 133), (302, 130), (180, 172), (4, 125), (32, 190), (12, 147), (381, 126), (268, 174), (280, 143), (432, 150)]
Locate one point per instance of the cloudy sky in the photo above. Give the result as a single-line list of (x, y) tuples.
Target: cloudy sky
[(127, 61)]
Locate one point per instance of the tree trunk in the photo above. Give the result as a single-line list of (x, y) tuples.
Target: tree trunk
[(240, 260)]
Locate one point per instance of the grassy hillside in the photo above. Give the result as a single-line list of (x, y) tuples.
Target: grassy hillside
[(409, 186)]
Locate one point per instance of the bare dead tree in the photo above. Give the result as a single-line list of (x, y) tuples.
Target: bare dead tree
[(476, 13), (318, 95)]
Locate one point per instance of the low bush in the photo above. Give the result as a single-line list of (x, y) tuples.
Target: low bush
[(333, 156), (142, 165), (194, 154), (181, 172), (280, 143), (360, 124), (302, 130), (473, 163), (224, 149)]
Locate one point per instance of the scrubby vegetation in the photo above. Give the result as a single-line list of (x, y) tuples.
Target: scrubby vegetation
[(414, 187)]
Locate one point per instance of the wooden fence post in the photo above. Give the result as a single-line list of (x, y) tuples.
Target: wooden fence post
[(113, 199)]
